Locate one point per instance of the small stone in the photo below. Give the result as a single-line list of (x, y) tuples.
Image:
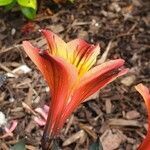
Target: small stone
[(47, 89), (96, 24), (129, 80), (11, 100), (13, 31), (132, 115), (3, 119)]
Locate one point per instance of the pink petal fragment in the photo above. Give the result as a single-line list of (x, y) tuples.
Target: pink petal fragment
[(11, 129), (46, 108), (42, 112), (39, 121), (13, 126)]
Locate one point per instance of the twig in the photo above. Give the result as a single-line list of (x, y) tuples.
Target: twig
[(6, 69), (80, 23), (127, 33), (105, 54), (3, 50), (29, 109), (69, 124)]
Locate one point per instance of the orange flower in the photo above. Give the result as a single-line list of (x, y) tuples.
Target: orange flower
[(69, 72), (144, 91)]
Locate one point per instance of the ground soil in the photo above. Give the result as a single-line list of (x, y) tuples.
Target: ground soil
[(120, 26)]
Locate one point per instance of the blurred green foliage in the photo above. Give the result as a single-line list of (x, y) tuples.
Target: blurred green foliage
[(27, 7)]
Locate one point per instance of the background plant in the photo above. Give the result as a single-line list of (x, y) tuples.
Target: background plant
[(27, 7)]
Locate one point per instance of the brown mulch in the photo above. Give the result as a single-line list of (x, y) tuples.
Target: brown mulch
[(116, 116)]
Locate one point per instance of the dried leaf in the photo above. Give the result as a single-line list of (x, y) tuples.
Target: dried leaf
[(129, 80), (74, 138), (132, 115), (123, 122), (112, 140)]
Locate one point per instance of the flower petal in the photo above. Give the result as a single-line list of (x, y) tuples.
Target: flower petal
[(65, 77), (43, 64), (98, 77), (57, 46), (82, 54), (61, 77), (94, 80), (144, 91)]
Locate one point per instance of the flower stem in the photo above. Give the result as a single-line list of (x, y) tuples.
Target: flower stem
[(48, 143)]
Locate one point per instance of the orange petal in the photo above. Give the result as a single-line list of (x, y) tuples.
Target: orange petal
[(65, 77), (43, 64), (98, 77), (144, 91), (82, 55), (57, 46), (61, 77), (95, 79)]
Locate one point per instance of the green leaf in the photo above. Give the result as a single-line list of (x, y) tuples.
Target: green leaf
[(5, 2), (19, 146), (10, 6), (28, 12), (28, 3)]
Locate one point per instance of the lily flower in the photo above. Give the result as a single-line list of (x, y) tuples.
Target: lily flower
[(71, 73), (145, 93)]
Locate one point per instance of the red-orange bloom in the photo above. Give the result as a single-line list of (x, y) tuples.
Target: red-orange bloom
[(69, 72), (144, 91)]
